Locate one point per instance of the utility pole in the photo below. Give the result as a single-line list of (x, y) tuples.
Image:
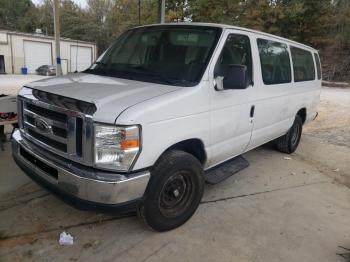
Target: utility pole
[(161, 11), (139, 12), (56, 14)]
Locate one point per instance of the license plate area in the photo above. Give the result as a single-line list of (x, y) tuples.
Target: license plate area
[(45, 168)]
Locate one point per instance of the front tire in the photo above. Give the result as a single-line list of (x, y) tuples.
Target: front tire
[(290, 141), (174, 191)]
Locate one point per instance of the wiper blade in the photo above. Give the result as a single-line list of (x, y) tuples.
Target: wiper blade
[(153, 73), (97, 68)]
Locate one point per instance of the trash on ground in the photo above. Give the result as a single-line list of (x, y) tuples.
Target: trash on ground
[(65, 239), (293, 173), (336, 170), (287, 158)]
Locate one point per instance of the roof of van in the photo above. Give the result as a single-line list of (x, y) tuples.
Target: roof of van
[(225, 26)]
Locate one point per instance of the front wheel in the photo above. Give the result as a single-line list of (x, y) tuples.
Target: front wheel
[(290, 141), (174, 191)]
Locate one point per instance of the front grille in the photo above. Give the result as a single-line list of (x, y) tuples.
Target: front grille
[(57, 129), (47, 126), (47, 113), (60, 146)]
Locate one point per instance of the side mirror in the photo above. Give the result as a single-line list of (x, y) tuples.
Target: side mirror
[(236, 78)]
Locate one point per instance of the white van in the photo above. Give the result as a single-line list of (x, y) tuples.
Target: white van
[(165, 109)]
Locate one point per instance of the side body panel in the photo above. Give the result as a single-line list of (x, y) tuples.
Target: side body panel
[(277, 105)]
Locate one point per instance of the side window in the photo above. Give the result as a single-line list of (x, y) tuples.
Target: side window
[(236, 51), (275, 62), (303, 64), (318, 66)]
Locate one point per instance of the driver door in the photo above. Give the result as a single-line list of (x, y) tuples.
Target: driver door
[(232, 110)]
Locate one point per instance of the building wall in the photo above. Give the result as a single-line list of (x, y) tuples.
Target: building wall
[(16, 55), (5, 51)]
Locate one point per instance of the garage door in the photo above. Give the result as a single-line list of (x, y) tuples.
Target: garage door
[(36, 54), (80, 58)]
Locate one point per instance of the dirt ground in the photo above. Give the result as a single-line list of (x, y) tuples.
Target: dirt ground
[(333, 123), (277, 209)]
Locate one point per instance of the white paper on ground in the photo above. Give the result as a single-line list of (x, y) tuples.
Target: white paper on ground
[(65, 239)]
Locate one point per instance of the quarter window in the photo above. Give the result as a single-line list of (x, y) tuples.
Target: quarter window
[(318, 66), (275, 62), (235, 52), (303, 65)]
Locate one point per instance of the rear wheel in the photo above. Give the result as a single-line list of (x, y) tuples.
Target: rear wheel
[(290, 141), (174, 191)]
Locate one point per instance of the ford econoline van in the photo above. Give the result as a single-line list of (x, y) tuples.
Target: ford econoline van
[(165, 109)]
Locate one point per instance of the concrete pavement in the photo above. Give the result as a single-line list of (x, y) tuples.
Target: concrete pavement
[(275, 210)]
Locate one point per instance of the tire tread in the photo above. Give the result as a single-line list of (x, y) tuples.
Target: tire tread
[(166, 160), (283, 143)]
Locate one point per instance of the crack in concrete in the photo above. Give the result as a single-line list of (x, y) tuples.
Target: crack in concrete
[(261, 192), (157, 251), (65, 227), (22, 196), (24, 202)]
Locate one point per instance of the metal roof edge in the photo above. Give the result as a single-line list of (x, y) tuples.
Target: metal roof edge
[(45, 37)]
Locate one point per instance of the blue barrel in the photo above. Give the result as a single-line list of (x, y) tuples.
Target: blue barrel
[(24, 71)]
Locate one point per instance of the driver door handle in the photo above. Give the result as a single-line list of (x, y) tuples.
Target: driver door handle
[(252, 111)]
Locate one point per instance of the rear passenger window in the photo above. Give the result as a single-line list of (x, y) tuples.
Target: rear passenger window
[(275, 62), (303, 65), (318, 66)]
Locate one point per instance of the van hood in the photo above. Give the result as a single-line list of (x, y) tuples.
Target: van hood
[(110, 95)]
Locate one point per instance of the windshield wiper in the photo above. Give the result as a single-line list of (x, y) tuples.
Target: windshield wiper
[(152, 73), (99, 69)]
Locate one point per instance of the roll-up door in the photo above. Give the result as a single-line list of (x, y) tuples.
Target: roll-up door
[(80, 58), (36, 54)]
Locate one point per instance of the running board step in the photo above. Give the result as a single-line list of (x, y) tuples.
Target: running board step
[(225, 170)]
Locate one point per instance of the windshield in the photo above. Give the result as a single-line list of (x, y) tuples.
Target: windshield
[(172, 55)]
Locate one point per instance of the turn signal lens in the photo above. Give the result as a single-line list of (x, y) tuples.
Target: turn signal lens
[(129, 144)]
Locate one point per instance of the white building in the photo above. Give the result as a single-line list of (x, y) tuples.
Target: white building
[(19, 50)]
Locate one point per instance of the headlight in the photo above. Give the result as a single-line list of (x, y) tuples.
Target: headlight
[(116, 147)]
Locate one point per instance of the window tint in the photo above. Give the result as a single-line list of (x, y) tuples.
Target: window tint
[(318, 66), (303, 65), (236, 51), (275, 62)]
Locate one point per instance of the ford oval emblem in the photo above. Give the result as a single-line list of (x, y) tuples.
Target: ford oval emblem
[(42, 125)]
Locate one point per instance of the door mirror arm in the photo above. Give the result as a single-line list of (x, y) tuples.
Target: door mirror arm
[(219, 83)]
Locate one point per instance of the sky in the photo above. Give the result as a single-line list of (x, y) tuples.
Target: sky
[(81, 3)]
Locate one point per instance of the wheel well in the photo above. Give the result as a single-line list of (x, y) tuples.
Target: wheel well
[(194, 147), (302, 114)]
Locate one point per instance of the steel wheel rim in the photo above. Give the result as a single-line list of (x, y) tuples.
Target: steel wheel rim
[(176, 195)]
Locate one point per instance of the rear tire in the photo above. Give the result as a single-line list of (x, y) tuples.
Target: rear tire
[(174, 191), (290, 141)]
